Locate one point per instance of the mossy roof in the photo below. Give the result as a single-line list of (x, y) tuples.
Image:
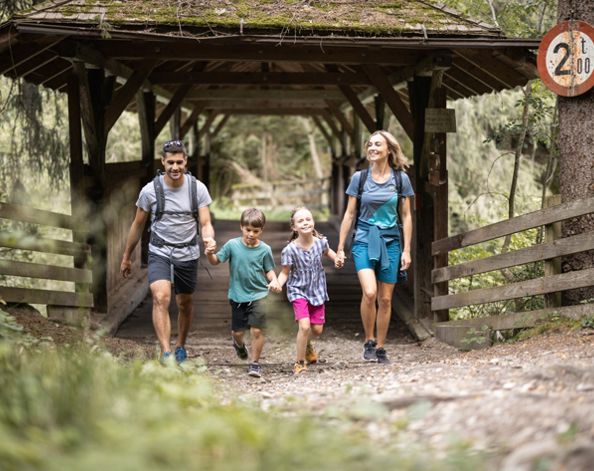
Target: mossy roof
[(375, 18)]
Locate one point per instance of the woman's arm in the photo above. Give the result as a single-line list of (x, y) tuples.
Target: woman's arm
[(345, 226), (406, 215)]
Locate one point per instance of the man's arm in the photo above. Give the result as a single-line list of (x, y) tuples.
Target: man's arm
[(206, 229), (133, 237)]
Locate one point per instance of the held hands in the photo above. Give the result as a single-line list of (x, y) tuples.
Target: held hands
[(210, 245), (274, 286), (340, 259)]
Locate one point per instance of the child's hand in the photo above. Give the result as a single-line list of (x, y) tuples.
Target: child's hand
[(339, 260), (210, 245), (274, 286)]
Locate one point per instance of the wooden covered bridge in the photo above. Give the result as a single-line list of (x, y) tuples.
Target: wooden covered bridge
[(341, 63)]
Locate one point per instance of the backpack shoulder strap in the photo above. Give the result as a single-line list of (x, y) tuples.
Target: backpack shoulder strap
[(193, 194), (362, 180), (160, 195), (398, 180)]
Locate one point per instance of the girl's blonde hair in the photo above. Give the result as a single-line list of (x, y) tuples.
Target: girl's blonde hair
[(396, 159), (294, 234)]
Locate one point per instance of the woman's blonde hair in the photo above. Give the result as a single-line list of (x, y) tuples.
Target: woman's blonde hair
[(396, 159)]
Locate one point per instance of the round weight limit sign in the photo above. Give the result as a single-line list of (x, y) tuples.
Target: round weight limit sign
[(566, 58)]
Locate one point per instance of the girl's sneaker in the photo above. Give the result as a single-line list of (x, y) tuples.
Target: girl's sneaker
[(255, 370), (382, 357), (310, 354), (299, 367), (369, 352)]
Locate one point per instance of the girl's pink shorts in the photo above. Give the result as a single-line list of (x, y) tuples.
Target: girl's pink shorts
[(304, 310)]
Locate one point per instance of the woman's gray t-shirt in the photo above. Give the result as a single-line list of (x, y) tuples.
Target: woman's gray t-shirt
[(174, 228)]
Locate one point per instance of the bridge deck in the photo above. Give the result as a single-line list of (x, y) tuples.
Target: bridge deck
[(211, 307)]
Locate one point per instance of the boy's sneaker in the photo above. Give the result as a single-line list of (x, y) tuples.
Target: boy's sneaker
[(369, 352), (165, 358), (381, 355), (240, 350), (255, 370), (180, 354), (310, 354), (299, 367)]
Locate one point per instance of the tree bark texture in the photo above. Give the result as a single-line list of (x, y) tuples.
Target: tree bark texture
[(576, 161)]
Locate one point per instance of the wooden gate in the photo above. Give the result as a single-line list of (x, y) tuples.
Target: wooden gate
[(68, 306), (476, 332)]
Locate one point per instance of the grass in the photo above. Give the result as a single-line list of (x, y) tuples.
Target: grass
[(80, 408)]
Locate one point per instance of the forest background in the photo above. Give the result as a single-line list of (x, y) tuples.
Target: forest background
[(62, 408)]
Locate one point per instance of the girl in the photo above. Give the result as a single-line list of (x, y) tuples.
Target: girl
[(306, 282), (377, 197)]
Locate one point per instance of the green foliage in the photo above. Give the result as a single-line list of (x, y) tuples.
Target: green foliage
[(79, 408)]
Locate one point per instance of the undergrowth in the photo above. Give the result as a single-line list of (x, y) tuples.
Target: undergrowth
[(79, 408)]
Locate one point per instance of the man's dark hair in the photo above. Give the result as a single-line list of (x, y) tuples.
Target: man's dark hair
[(174, 146), (252, 217)]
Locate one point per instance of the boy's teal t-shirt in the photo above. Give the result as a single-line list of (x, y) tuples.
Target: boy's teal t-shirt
[(247, 269)]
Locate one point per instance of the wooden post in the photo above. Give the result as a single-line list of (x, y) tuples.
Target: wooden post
[(423, 222), (552, 266), (95, 92), (380, 112), (175, 124), (146, 104)]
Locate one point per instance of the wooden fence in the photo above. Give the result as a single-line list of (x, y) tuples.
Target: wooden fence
[(476, 332), (67, 306), (283, 195)]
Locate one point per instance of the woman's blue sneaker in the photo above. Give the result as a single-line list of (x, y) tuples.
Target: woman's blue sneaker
[(180, 354)]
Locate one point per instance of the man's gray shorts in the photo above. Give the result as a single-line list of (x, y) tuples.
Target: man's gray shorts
[(184, 274)]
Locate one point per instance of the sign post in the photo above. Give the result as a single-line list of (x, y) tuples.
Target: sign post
[(566, 58)]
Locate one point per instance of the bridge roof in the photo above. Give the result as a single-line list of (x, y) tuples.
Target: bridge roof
[(267, 56)]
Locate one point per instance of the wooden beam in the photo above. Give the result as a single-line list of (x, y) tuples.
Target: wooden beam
[(47, 272), (556, 248), (220, 126), (272, 111), (42, 296), (333, 107), (125, 94), (318, 123), (173, 104), (190, 120), (23, 53), (205, 129), (519, 223), (17, 212), (255, 94), (544, 285), (380, 81), (493, 68), (206, 50), (258, 78), (358, 107), (332, 125)]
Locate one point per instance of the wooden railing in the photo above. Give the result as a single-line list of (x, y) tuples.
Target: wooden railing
[(64, 305), (452, 331), (283, 195)]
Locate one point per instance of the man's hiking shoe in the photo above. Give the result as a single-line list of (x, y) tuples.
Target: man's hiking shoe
[(369, 351), (166, 358), (255, 370), (380, 353), (180, 354), (310, 354), (240, 350), (299, 367)]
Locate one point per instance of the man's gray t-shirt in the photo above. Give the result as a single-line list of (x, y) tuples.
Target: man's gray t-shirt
[(174, 228)]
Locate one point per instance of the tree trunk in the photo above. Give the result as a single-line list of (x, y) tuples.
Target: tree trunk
[(576, 161)]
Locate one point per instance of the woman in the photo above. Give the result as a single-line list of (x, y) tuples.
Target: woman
[(377, 250)]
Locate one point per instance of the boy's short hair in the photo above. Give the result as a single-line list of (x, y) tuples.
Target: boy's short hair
[(252, 217), (175, 146)]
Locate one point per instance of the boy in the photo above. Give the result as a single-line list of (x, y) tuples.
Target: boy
[(251, 269)]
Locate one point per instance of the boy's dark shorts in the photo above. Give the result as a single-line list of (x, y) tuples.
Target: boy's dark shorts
[(246, 315), (184, 273)]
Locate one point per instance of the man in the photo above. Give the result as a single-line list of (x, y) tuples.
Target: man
[(177, 202)]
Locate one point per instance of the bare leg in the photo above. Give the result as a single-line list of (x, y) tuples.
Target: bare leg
[(184, 317), (316, 331), (302, 337), (368, 309), (384, 313), (257, 343), (161, 292), (238, 336)]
